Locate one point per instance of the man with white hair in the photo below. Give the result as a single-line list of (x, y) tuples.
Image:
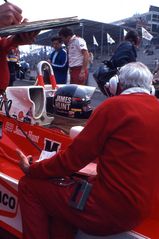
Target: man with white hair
[(130, 81), (122, 136)]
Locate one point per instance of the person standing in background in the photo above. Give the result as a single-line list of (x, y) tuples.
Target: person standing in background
[(77, 54), (59, 60), (13, 58), (126, 51)]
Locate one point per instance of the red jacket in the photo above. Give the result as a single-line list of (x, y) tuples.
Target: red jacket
[(123, 134)]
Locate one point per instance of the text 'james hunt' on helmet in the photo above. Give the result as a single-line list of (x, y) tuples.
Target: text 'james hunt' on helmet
[(72, 101)]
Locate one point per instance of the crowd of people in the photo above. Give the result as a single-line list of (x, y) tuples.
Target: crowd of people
[(71, 60), (69, 56), (124, 146)]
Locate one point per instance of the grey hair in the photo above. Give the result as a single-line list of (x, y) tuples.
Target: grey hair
[(135, 74)]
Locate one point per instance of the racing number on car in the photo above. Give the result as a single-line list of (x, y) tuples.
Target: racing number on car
[(51, 146)]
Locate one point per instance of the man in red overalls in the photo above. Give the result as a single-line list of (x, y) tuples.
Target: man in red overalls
[(122, 135)]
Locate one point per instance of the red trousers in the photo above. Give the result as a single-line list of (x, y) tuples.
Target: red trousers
[(74, 76), (46, 213)]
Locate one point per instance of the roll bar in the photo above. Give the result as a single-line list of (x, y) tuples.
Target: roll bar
[(40, 80)]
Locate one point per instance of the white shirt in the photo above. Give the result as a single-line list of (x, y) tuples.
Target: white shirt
[(75, 45)]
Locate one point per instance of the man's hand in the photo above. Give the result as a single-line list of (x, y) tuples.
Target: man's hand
[(24, 162), (82, 75), (10, 14)]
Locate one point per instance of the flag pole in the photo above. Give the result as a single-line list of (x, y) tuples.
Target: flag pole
[(108, 48), (94, 50), (102, 33)]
